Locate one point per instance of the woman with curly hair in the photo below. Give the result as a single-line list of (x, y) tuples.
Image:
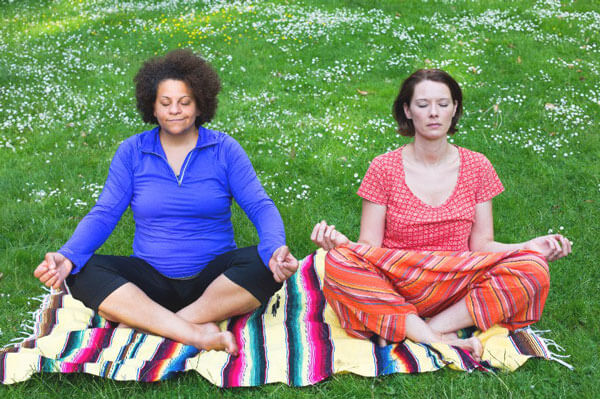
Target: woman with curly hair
[(426, 264), (179, 179)]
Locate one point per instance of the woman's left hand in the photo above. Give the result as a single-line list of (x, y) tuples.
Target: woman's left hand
[(552, 246), (282, 264)]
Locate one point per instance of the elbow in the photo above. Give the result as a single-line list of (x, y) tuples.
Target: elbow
[(370, 241), (480, 245)]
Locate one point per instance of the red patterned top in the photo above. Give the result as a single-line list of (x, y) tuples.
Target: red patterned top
[(412, 224)]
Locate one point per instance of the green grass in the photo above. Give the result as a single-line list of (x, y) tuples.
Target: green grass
[(291, 72)]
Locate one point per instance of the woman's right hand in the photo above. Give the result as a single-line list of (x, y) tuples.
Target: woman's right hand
[(53, 270), (327, 237), (552, 246)]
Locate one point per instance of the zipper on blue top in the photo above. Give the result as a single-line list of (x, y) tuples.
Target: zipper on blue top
[(185, 165), (186, 162)]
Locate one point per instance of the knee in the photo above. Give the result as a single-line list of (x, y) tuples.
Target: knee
[(338, 259), (536, 271), (339, 252)]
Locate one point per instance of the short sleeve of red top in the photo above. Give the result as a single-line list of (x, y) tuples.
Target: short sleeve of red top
[(412, 224)]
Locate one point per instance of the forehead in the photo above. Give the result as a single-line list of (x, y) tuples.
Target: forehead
[(428, 89), (173, 88)]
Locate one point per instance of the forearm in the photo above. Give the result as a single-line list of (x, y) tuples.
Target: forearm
[(90, 234), (495, 246), (270, 229), (366, 241)]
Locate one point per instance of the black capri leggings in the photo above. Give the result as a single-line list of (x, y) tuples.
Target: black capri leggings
[(103, 274)]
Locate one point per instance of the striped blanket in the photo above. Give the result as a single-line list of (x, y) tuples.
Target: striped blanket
[(294, 339)]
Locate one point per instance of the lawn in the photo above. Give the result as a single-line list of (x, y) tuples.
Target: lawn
[(307, 90)]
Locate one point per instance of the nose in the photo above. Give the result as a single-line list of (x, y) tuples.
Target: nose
[(434, 110), (174, 108)]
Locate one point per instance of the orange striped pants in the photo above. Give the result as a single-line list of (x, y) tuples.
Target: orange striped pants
[(372, 290)]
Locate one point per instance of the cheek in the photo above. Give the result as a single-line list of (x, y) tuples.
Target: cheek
[(419, 114)]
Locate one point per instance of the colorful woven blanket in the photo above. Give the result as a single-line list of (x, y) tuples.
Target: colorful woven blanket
[(294, 339)]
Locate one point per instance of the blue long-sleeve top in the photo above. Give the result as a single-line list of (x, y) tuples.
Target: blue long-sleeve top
[(181, 222)]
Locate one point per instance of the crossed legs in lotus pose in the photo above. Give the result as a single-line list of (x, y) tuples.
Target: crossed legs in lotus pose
[(193, 325)]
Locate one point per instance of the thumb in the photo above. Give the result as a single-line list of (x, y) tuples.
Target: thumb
[(282, 253), (50, 261)]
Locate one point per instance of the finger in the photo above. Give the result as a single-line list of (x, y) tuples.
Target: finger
[(327, 236), (552, 248), (44, 277), (334, 237), (50, 282), (560, 242), (293, 261), (288, 259), (288, 275), (550, 242), (322, 228), (290, 268), (51, 261), (41, 269), (566, 245), (558, 252), (59, 281), (284, 273), (556, 240), (275, 255), (315, 231), (282, 253), (278, 276), (291, 264)]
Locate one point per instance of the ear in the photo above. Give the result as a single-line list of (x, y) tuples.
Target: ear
[(455, 107), (407, 111)]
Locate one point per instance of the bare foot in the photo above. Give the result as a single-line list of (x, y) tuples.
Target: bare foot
[(471, 345), (382, 342), (210, 327), (210, 337), (449, 336)]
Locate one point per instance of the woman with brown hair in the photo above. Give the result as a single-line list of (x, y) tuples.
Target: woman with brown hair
[(426, 264)]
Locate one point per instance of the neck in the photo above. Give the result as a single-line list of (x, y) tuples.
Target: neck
[(185, 139), (430, 152)]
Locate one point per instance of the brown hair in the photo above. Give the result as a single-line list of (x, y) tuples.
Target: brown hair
[(407, 89), (181, 65)]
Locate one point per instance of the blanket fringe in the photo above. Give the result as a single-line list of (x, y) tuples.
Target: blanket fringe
[(546, 343), (28, 328)]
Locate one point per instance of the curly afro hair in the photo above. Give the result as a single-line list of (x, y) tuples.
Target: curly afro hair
[(181, 65)]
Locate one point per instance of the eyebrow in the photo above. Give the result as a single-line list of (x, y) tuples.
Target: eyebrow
[(182, 97), (427, 99)]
